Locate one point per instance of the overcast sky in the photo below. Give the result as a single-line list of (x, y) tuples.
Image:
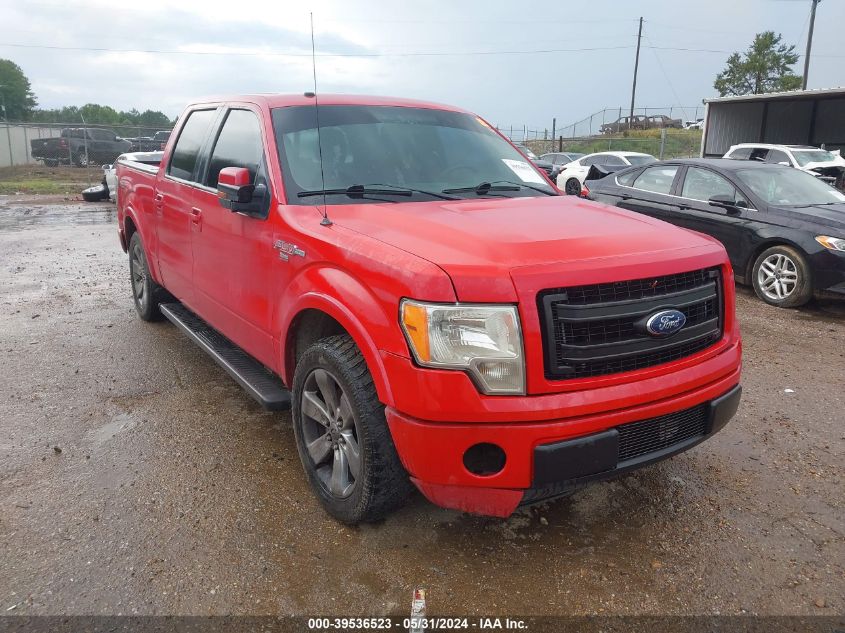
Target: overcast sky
[(480, 55)]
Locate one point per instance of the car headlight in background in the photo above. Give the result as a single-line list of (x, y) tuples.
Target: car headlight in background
[(483, 340), (833, 243)]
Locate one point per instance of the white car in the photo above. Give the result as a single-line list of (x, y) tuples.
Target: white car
[(829, 166), (698, 124), (571, 177)]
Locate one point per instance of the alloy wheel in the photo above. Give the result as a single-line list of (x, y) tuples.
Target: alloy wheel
[(330, 433), (777, 276), (138, 272)]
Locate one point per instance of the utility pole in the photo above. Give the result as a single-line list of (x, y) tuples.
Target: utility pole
[(636, 68), (809, 44)]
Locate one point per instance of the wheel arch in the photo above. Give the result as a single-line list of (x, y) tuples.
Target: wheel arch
[(317, 314), (748, 267)]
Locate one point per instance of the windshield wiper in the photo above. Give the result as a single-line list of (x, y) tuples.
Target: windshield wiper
[(355, 191), (482, 189), (359, 191), (522, 184), (433, 194)]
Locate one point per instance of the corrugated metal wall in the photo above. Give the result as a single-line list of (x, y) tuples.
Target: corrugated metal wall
[(14, 142), (788, 122), (830, 123), (732, 123), (817, 122)]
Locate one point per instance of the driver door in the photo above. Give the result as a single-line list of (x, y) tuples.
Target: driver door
[(235, 264)]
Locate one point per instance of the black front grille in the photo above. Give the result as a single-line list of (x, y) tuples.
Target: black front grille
[(600, 328), (636, 288), (655, 434)]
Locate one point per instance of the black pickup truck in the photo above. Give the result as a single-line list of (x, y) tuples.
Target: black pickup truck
[(80, 146), (153, 143)]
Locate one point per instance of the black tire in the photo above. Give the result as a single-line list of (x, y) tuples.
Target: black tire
[(146, 293), (572, 187), (781, 277), (335, 367), (95, 193)]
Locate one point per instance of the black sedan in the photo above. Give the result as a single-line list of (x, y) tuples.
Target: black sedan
[(784, 230)]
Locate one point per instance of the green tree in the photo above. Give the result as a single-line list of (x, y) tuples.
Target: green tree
[(765, 67), (16, 92)]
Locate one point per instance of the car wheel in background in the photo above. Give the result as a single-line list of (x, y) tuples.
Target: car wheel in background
[(95, 193), (342, 435), (572, 187), (145, 291), (781, 277), (81, 159)]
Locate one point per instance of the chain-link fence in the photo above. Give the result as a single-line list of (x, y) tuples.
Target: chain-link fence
[(659, 143), (74, 144), (608, 121)]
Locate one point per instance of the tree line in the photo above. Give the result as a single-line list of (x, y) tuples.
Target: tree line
[(18, 103)]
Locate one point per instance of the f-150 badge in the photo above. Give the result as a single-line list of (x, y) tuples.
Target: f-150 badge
[(286, 249)]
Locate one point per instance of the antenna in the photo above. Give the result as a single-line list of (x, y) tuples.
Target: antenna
[(325, 221)]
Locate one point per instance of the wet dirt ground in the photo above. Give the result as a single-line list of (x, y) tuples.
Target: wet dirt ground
[(137, 478)]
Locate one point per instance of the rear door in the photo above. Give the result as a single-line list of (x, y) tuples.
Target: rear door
[(234, 259), (175, 206), (694, 211), (650, 192)]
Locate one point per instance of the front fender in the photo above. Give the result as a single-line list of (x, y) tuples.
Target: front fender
[(371, 323)]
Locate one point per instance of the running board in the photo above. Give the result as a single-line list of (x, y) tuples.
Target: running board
[(262, 385)]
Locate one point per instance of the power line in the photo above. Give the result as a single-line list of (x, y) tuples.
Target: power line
[(307, 55)]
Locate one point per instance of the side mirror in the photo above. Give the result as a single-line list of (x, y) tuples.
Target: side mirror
[(724, 201), (236, 193)]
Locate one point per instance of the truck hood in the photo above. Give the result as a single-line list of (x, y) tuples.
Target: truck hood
[(480, 243)]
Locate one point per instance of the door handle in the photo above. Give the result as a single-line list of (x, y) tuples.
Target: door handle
[(159, 198), (196, 217)]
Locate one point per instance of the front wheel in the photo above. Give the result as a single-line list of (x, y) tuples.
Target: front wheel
[(572, 187), (342, 435), (781, 277)]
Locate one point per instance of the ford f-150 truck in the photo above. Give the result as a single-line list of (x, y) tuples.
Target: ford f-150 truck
[(429, 306)]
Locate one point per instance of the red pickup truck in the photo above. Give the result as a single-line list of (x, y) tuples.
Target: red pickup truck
[(429, 306)]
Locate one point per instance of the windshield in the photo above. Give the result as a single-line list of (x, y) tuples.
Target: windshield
[(527, 151), (640, 160), (803, 157), (417, 149), (788, 187)]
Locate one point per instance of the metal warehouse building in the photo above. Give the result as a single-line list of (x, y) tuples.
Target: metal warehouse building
[(803, 117)]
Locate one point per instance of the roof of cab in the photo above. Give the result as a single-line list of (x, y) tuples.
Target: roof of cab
[(282, 100)]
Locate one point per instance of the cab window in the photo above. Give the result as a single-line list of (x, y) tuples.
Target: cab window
[(193, 134), (657, 179), (238, 145)]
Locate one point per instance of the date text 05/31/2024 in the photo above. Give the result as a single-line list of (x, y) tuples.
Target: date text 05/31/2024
[(415, 624)]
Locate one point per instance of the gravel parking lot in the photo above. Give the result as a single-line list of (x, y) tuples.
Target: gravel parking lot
[(137, 478)]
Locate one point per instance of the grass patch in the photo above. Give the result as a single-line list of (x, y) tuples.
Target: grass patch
[(679, 143), (47, 180)]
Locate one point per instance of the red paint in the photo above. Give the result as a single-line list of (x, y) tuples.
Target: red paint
[(224, 266)]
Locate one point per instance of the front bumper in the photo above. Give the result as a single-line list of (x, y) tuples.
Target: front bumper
[(544, 460), (828, 270)]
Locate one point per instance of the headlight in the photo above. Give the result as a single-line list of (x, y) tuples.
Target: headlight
[(833, 243), (483, 340)]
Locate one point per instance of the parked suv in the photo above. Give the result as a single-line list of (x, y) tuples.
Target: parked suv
[(442, 317), (829, 166)]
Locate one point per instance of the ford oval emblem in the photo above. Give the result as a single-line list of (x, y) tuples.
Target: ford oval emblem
[(665, 322)]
